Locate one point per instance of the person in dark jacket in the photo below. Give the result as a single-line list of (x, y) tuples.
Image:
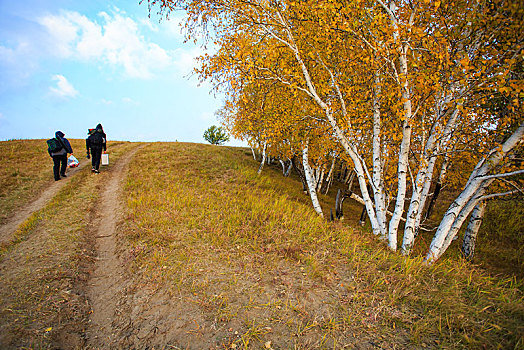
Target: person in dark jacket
[(96, 144), (60, 157)]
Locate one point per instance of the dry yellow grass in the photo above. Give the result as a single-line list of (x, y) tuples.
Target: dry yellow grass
[(46, 263), (251, 266), (41, 269), (218, 257), (26, 170), (23, 173)]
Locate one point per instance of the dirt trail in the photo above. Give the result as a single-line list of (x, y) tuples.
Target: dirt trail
[(9, 228), (106, 280)]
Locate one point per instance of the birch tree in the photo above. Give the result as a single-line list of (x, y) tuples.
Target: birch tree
[(472, 230), (394, 85)]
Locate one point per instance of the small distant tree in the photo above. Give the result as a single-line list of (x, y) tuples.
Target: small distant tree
[(216, 135)]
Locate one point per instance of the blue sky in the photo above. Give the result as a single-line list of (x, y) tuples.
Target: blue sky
[(71, 64)]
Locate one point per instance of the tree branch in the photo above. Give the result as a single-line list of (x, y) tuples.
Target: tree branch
[(494, 195), (495, 176)]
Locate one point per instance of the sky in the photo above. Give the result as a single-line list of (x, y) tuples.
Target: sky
[(71, 64)]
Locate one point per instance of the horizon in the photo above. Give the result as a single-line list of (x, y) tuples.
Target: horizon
[(158, 141)]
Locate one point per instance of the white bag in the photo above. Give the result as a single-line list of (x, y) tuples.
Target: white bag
[(72, 162), (105, 159)]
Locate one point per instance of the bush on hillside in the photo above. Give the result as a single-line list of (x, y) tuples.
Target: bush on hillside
[(216, 135)]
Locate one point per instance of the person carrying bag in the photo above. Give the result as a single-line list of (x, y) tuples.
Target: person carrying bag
[(58, 148), (95, 145)]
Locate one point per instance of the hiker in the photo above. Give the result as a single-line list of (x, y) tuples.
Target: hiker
[(58, 148), (96, 142)]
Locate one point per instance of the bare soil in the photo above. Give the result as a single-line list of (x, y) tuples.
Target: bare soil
[(106, 281)]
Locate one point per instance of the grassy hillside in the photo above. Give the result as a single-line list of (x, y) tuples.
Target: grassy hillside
[(248, 262), (219, 257)]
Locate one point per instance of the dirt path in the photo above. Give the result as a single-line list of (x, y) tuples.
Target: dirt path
[(9, 228), (106, 280)]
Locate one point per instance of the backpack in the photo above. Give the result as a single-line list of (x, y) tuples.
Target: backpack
[(54, 145), (96, 139)]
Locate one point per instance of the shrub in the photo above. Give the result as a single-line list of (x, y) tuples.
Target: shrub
[(216, 135)]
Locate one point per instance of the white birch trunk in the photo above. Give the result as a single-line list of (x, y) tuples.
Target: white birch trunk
[(401, 185), (360, 173), (423, 178), (329, 178), (423, 182), (378, 183), (452, 218), (470, 206), (283, 166), (311, 181), (288, 171), (320, 179), (253, 152), (464, 213), (263, 159), (470, 236), (403, 157)]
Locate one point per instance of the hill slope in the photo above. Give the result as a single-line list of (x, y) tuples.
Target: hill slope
[(210, 255)]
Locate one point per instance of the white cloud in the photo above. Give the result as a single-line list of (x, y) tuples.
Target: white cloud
[(147, 23), (63, 88), (62, 33), (174, 26), (106, 102), (116, 41), (129, 101), (17, 64), (7, 54), (186, 59)]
